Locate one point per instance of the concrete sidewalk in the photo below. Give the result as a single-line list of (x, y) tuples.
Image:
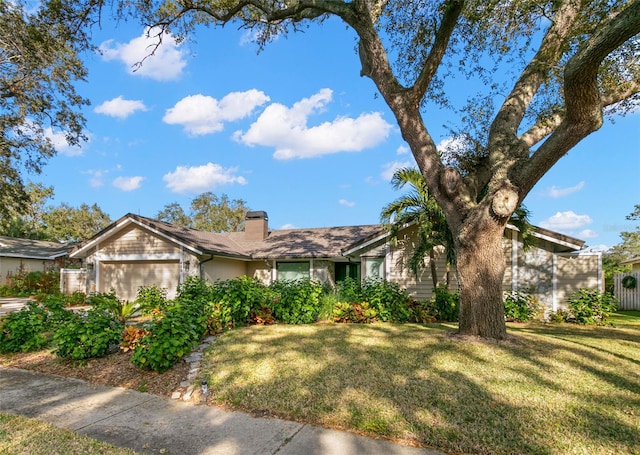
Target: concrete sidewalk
[(152, 424)]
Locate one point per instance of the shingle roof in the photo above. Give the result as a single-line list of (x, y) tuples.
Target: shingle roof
[(287, 243), (32, 249)]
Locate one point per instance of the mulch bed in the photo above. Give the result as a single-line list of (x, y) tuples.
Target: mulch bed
[(115, 370)]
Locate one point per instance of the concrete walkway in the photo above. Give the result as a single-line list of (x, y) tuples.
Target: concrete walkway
[(152, 424)]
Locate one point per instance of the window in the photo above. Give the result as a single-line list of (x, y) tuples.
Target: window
[(374, 268), (292, 270), (347, 269)]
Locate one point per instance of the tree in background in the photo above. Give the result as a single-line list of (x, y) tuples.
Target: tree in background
[(208, 212), (629, 248), (39, 71), (69, 224), (61, 223), (549, 70)]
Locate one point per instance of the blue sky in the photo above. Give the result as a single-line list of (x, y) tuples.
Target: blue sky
[(294, 131)]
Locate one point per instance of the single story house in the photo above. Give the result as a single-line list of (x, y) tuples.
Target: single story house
[(136, 251), (28, 255)]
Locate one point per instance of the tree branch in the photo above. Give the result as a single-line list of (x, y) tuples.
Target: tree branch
[(584, 104), (453, 9), (515, 105)]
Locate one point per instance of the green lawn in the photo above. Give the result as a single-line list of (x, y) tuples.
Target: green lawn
[(552, 389), (19, 435)]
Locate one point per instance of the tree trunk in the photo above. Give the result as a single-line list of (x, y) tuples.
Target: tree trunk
[(434, 270), (481, 266)]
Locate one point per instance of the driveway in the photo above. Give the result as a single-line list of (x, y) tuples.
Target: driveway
[(9, 304)]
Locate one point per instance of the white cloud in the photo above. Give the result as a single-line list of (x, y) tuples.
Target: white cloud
[(403, 150), (60, 143), (568, 220), (391, 168), (120, 108), (346, 203), (588, 234), (199, 179), (166, 63), (200, 114), (555, 192), (97, 176), (286, 129), (288, 226), (128, 183)]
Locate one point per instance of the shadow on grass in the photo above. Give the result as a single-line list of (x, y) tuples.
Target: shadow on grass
[(542, 394)]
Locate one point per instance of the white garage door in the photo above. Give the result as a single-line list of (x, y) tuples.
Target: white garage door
[(126, 277)]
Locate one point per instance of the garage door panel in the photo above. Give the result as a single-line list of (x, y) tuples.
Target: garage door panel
[(125, 278)]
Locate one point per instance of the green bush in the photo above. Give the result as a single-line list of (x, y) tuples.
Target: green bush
[(349, 290), (122, 311), (296, 301), (25, 330), (520, 306), (445, 305), (151, 299), (590, 306), (78, 298), (388, 299), (24, 283), (84, 336), (175, 331), (234, 301)]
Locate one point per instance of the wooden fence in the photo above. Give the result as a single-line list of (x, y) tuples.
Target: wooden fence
[(629, 298)]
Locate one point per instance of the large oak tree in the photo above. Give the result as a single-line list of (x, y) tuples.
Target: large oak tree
[(40, 65), (571, 62)]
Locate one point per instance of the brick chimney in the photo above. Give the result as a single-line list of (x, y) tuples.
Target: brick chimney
[(256, 225)]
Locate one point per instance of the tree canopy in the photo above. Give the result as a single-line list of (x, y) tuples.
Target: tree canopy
[(208, 212), (550, 71), (40, 67)]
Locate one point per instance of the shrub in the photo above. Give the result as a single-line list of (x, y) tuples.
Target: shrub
[(87, 335), (235, 301), (24, 330), (359, 313), (349, 290), (445, 305), (389, 300), (122, 311), (151, 299), (78, 298), (520, 306), (421, 312), (589, 306), (25, 283), (175, 331), (131, 337), (296, 301)]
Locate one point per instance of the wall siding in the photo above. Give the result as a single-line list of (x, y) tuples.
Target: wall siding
[(134, 240), (574, 272), (125, 278), (223, 269), (11, 266)]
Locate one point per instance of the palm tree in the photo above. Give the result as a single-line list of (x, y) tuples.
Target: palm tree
[(420, 208)]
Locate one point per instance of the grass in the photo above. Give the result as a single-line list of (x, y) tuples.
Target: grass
[(20, 435), (551, 389)]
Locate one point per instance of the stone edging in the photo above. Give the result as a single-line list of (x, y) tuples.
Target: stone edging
[(187, 390)]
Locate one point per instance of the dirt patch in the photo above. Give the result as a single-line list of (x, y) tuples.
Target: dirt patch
[(115, 370)]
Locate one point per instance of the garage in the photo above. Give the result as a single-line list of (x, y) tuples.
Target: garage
[(125, 278)]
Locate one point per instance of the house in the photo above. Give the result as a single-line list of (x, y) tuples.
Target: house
[(135, 251), (29, 255)]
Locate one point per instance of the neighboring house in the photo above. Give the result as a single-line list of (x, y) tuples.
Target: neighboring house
[(29, 255), (629, 295), (136, 251)]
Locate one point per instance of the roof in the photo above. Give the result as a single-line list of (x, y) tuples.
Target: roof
[(309, 243), (32, 249), (286, 243), (635, 260)]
